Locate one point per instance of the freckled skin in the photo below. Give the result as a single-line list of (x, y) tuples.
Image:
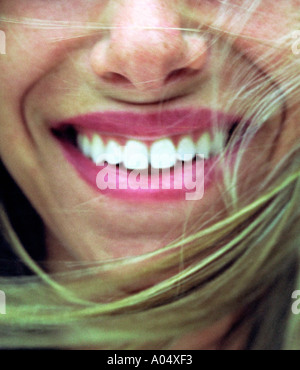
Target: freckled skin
[(52, 74)]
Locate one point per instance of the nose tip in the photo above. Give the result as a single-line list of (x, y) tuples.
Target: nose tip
[(147, 52)]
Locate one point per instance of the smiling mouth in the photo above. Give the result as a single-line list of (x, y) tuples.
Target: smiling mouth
[(146, 147), (168, 153), (134, 154)]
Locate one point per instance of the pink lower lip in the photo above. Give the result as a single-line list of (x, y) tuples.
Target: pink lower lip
[(88, 171)]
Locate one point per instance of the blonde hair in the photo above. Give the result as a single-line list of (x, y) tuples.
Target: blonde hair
[(240, 263)]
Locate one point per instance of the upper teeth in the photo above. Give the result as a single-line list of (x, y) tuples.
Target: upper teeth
[(162, 153)]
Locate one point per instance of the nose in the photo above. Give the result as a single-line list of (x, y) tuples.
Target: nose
[(146, 46)]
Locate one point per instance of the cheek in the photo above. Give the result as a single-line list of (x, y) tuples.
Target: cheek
[(29, 55), (34, 49), (27, 60)]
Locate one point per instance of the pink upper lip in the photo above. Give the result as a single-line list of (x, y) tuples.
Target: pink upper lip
[(155, 124)]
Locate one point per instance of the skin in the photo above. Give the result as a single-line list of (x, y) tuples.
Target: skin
[(51, 75)]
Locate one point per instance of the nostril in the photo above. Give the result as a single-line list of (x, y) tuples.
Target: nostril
[(115, 78), (179, 74)]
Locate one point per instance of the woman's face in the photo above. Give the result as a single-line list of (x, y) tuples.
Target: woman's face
[(145, 82)]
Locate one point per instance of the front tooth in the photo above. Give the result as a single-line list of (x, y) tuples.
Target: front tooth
[(113, 153), (163, 154), (186, 149), (218, 143), (97, 149), (135, 155), (84, 144), (204, 145)]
